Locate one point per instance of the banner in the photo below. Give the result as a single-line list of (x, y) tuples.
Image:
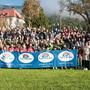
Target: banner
[(68, 58), (46, 59)]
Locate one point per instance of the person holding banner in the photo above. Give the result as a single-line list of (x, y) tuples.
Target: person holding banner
[(80, 56), (30, 48), (11, 48), (23, 48)]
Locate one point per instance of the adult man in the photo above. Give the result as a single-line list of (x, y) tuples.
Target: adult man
[(86, 52)]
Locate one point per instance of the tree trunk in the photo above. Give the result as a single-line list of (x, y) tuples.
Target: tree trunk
[(88, 28)]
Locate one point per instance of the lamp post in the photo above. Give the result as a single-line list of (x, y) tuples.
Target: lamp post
[(61, 9), (60, 21)]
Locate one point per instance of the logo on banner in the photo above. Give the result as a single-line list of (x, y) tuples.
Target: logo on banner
[(66, 56), (26, 58), (7, 57), (45, 57)]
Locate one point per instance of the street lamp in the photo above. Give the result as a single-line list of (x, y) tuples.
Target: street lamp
[(60, 21)]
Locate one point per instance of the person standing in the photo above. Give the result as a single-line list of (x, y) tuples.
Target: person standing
[(89, 53), (85, 61)]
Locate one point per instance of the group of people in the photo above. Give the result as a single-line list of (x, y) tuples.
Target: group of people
[(41, 39)]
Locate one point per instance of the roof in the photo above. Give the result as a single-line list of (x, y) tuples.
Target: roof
[(10, 13)]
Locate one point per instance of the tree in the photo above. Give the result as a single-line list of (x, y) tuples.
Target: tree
[(73, 22), (30, 10), (66, 21), (34, 14), (42, 20), (53, 19), (81, 7)]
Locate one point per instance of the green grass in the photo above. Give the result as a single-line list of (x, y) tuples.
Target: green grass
[(27, 79)]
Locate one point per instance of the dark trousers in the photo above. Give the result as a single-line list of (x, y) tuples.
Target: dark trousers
[(86, 64)]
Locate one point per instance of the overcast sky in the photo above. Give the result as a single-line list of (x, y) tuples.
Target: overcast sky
[(50, 6)]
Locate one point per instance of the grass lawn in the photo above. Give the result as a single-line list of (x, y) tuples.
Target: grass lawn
[(27, 79)]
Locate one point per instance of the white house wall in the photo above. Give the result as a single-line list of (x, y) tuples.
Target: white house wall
[(13, 22)]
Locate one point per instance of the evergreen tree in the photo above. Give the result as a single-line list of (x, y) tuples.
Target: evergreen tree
[(42, 20)]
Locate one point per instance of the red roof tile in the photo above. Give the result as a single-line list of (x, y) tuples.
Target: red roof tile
[(10, 13)]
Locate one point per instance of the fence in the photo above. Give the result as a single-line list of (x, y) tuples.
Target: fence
[(43, 59)]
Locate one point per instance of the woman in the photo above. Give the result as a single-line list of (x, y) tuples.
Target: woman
[(23, 48), (30, 48)]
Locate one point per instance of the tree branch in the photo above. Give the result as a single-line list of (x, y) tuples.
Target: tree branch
[(79, 14)]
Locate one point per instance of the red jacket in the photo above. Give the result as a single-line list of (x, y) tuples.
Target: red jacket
[(30, 49), (11, 49), (16, 49), (23, 49)]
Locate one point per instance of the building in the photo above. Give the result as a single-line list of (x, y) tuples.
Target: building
[(11, 18)]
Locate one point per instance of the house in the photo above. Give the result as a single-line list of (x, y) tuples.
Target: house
[(11, 18)]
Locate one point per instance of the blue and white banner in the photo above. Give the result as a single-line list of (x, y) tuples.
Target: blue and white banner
[(46, 59)]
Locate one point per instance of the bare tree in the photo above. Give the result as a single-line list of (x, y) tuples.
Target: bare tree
[(80, 7)]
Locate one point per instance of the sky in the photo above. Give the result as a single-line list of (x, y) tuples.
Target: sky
[(49, 6), (11, 2)]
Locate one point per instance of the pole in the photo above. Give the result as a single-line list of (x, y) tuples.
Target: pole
[(60, 19)]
